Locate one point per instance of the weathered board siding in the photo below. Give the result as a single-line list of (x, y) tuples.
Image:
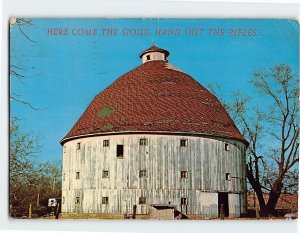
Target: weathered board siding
[(205, 160)]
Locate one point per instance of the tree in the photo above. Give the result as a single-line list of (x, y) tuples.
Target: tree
[(22, 176), (16, 70), (23, 147), (272, 130), (49, 182), (31, 181)]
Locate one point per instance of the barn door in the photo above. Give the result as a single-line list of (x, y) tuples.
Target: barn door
[(223, 203)]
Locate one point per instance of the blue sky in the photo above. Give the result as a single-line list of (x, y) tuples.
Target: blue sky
[(64, 72)]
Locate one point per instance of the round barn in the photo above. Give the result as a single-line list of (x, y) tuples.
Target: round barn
[(155, 139)]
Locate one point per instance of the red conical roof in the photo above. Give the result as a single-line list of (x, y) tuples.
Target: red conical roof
[(155, 97)]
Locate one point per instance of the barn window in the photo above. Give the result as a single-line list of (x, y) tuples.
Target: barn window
[(105, 200), (184, 174), (148, 57), (227, 176), (77, 200), (143, 173), (142, 200), (183, 142), (105, 143), (226, 146), (143, 142), (183, 201), (120, 150), (105, 174), (77, 175), (78, 146)]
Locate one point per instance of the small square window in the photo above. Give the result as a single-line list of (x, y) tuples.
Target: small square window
[(77, 175), (105, 174), (77, 200), (184, 174), (120, 151), (143, 142), (142, 200), (105, 143), (78, 146), (227, 176), (143, 173), (226, 146), (183, 201), (183, 143), (148, 57), (105, 200)]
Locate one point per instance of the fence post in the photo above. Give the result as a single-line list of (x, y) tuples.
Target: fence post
[(134, 211), (30, 211), (57, 211), (257, 212), (38, 201)]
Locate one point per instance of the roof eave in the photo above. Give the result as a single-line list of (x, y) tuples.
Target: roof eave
[(66, 139)]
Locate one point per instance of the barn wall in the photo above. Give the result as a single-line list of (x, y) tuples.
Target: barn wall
[(234, 201), (205, 160)]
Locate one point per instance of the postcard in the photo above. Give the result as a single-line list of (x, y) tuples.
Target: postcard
[(154, 118)]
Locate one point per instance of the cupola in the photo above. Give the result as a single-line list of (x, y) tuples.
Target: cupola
[(154, 53)]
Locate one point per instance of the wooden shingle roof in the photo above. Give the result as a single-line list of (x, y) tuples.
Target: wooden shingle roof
[(155, 97)]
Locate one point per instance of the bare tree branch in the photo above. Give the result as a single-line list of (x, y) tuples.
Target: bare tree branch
[(23, 102)]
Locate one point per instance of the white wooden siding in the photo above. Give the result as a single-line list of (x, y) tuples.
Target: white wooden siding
[(205, 159)]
